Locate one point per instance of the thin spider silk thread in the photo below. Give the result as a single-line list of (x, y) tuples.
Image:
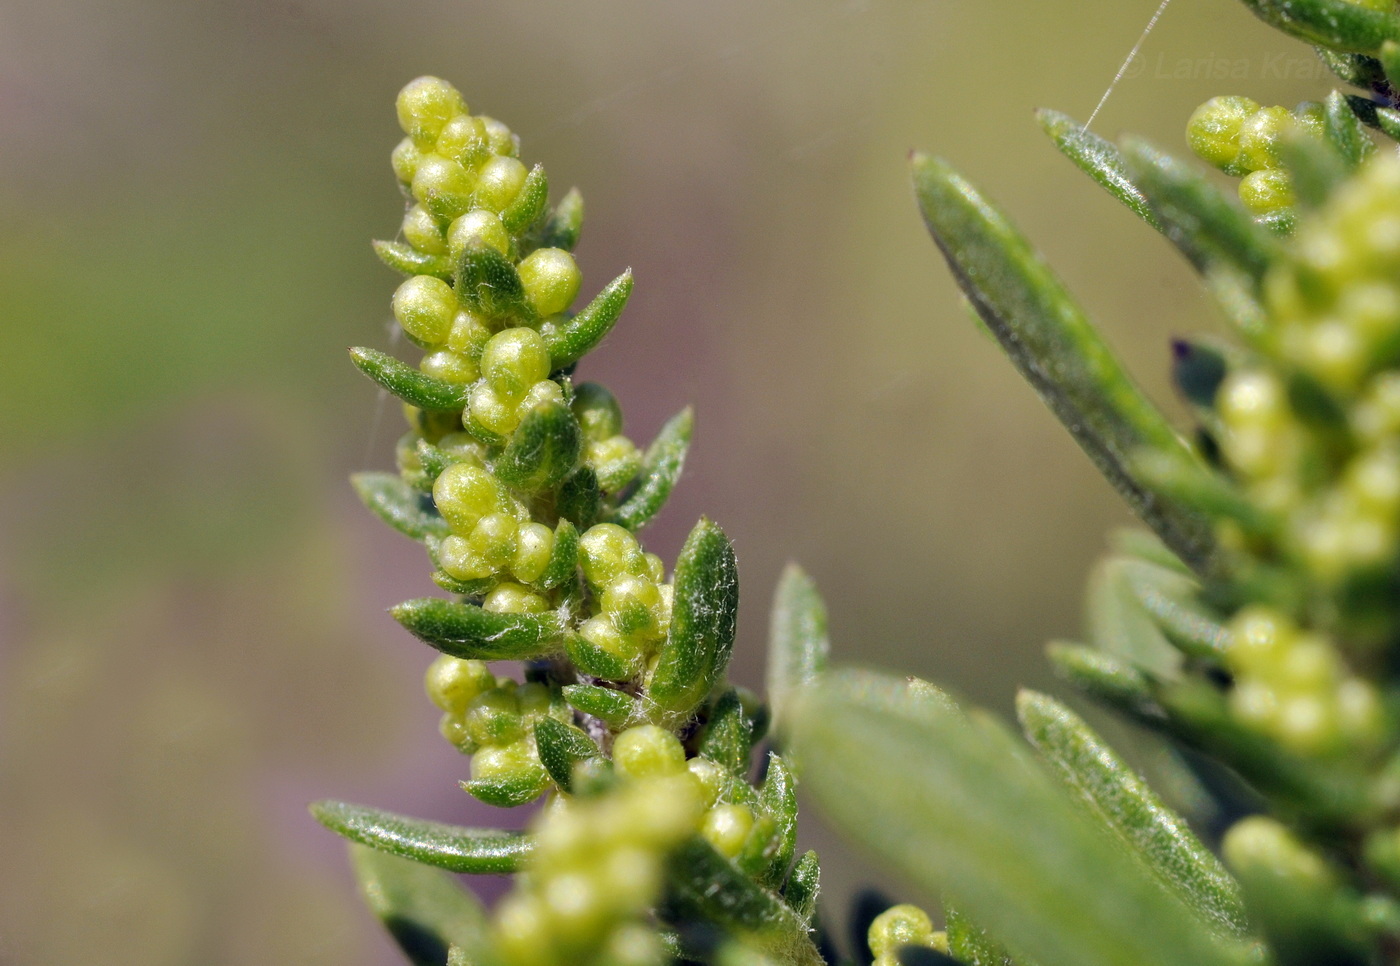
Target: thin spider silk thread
[(1127, 61)]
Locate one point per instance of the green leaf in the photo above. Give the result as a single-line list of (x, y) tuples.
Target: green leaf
[(1172, 599), (572, 340), (948, 801), (410, 261), (596, 661), (970, 945), (488, 283), (512, 792), (1191, 483), (1384, 119), (661, 468), (565, 224), (423, 908), (543, 449), (401, 506), (464, 588), (1207, 225), (561, 747), (1056, 349), (804, 886), (728, 736), (1338, 24), (707, 886), (529, 205), (1106, 679), (704, 616), (580, 500), (1356, 69), (563, 559), (413, 387), (798, 646), (466, 631), (1100, 159), (450, 847), (612, 707), (1119, 625), (1127, 805), (1346, 132), (433, 460), (778, 800)]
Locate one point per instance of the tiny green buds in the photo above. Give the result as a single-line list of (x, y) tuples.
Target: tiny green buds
[(898, 927), (425, 307), (1214, 131), (425, 106), (551, 279)]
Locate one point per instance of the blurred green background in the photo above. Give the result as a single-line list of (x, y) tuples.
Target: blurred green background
[(192, 633)]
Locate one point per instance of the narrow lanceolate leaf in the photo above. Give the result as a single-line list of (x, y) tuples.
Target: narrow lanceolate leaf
[(798, 646), (1119, 625), (407, 510), (1339, 24), (661, 468), (955, 804), (804, 886), (613, 708), (571, 340), (508, 792), (410, 261), (778, 799), (703, 621), (1208, 226), (1056, 348), (543, 449), (728, 736), (1384, 119), (1120, 797), (1345, 131), (565, 224), (488, 283), (707, 886), (563, 559), (450, 847), (1172, 599), (561, 747), (466, 631), (413, 387), (1106, 679), (529, 205), (424, 909), (580, 500), (1097, 157), (971, 945)]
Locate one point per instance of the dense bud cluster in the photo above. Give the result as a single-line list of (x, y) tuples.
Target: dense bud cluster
[(1241, 138)]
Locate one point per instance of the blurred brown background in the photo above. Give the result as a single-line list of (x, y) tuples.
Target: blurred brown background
[(192, 633)]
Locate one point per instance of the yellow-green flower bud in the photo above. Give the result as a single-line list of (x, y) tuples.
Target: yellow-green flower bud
[(507, 762), (634, 605), (498, 182), (463, 139), (897, 927), (1258, 640), (493, 411), (425, 307), (499, 136), (442, 186), (449, 366), (404, 159), (425, 105), (1258, 845), (597, 411), (616, 462), (544, 391), (727, 828), (493, 719), (712, 777), (648, 751), (575, 906), (452, 684), (600, 632), (464, 494), (534, 547), (521, 930), (469, 334), (514, 360), (1214, 130), (463, 448), (535, 701), (493, 539), (508, 598), (423, 231), (477, 225), (551, 278), (607, 551), (459, 561), (656, 570), (1268, 191), (454, 729), (1259, 137)]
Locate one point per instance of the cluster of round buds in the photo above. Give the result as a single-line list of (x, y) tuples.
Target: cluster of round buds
[(1293, 686), (899, 927), (1241, 138), (493, 534), (492, 719), (599, 860), (613, 457), (632, 604), (1335, 321)]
